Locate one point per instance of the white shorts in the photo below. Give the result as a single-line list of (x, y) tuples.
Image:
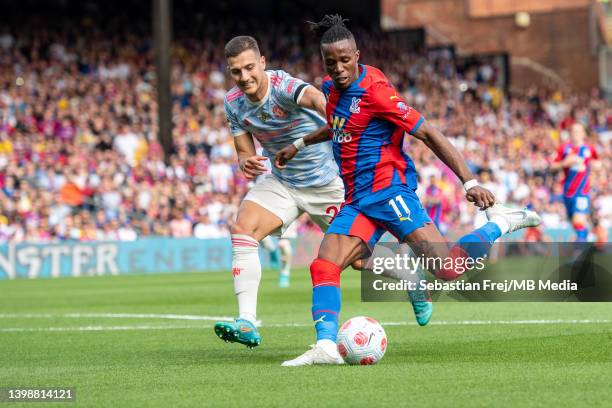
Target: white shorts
[(288, 203)]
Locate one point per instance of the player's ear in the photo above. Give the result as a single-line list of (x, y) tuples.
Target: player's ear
[(357, 56), (262, 60)]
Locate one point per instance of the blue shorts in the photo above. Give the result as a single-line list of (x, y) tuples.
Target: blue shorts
[(579, 204), (396, 209)]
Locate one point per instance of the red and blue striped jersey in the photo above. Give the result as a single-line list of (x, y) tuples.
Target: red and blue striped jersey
[(367, 122), (577, 176)]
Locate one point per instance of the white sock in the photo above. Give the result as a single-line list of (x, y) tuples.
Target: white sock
[(246, 269), (501, 222), (328, 346), (286, 256)]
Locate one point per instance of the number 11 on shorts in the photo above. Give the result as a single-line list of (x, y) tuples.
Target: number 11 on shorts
[(402, 203)]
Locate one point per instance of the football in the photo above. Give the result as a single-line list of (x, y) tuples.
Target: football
[(362, 340)]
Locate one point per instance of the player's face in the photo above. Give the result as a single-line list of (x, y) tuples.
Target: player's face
[(248, 72), (341, 62), (578, 134)]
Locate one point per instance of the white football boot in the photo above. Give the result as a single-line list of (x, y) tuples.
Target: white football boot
[(515, 218), (316, 355)]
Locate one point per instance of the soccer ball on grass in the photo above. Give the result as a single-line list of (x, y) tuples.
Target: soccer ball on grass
[(362, 340)]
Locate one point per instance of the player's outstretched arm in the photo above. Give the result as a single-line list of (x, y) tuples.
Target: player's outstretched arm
[(249, 161), (288, 152), (443, 148)]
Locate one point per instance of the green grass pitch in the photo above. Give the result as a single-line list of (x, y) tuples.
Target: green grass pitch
[(105, 337)]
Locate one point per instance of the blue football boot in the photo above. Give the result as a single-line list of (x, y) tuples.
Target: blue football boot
[(239, 331)]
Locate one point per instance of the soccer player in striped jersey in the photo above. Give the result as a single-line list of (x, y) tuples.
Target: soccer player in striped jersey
[(367, 120), (276, 109), (577, 158)]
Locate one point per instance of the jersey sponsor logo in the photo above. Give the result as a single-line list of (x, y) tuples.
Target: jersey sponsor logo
[(339, 135), (337, 122), (236, 271), (279, 112), (355, 105)]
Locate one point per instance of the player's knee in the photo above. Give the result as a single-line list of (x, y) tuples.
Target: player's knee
[(579, 221), (358, 264), (324, 273), (238, 228)]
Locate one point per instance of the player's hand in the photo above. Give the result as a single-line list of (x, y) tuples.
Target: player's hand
[(253, 167), (570, 160), (284, 155), (481, 197)]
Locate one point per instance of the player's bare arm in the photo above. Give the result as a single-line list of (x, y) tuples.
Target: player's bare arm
[(249, 161), (313, 99), (288, 152), (445, 151)]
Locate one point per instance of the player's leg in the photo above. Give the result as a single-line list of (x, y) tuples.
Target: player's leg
[(253, 224), (322, 204), (346, 240), (428, 240), (404, 217), (269, 245), (335, 253), (266, 208), (580, 207), (286, 251)]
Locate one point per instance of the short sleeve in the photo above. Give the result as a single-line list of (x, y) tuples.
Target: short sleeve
[(235, 128), (289, 89), (390, 106)]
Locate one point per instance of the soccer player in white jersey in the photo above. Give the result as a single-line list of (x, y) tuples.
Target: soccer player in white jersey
[(276, 109)]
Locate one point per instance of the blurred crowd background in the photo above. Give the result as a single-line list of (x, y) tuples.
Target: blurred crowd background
[(79, 158)]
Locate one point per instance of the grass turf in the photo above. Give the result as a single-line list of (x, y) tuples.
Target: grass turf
[(149, 361)]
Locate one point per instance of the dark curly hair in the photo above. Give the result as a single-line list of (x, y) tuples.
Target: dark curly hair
[(331, 29)]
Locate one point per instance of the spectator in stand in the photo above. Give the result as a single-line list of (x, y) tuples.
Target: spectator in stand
[(79, 158)]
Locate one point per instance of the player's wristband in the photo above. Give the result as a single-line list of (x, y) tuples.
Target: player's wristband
[(469, 184), (299, 144)]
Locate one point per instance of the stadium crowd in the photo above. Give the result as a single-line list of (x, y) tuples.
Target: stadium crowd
[(79, 158)]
